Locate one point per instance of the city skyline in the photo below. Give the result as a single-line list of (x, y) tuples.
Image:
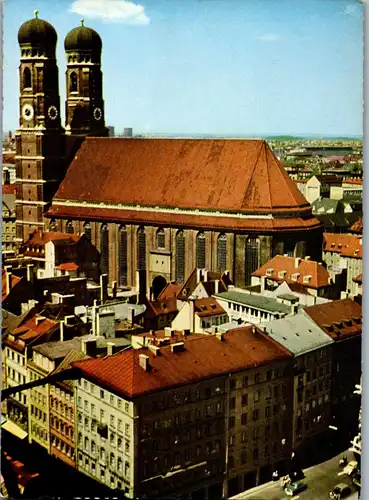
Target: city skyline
[(221, 68)]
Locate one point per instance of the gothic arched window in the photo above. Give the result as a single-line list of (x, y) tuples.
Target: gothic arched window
[(200, 250), (222, 252), (180, 257), (87, 230), (251, 257), (141, 249), (27, 81), (69, 227), (123, 261), (104, 249), (160, 238), (73, 82)]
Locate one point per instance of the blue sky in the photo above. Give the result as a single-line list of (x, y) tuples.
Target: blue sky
[(225, 67)]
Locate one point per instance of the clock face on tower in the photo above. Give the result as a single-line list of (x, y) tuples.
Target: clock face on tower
[(27, 112), (52, 112), (97, 114)]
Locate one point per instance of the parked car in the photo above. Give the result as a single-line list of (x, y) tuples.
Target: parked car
[(340, 491), (295, 488)]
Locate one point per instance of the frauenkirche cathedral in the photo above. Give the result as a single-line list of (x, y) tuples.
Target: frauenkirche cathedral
[(154, 208)]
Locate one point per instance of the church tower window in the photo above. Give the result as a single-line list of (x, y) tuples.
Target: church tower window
[(251, 258), (27, 81), (222, 252), (141, 248), (87, 230), (200, 250), (69, 227), (104, 249), (122, 241), (160, 238), (73, 82), (180, 257)]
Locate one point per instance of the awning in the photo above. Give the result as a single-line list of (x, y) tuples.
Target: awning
[(14, 429)]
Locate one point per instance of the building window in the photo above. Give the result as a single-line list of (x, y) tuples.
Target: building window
[(180, 257), (244, 400), (160, 238), (123, 266), (251, 257), (69, 227), (222, 252), (141, 249), (200, 250), (104, 249), (87, 230), (244, 419), (53, 225), (73, 82), (27, 80)]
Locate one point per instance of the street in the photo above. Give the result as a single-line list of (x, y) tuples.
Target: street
[(320, 480)]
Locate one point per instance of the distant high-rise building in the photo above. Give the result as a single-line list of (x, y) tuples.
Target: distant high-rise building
[(128, 132), (111, 130)]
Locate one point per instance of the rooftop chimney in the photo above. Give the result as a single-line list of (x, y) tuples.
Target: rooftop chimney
[(216, 286), (30, 273), (39, 319), (115, 286), (219, 335), (103, 288), (307, 257), (168, 331), (144, 361), (62, 331), (253, 329), (109, 348), (297, 261), (198, 275), (131, 315), (154, 349), (89, 346), (177, 347)]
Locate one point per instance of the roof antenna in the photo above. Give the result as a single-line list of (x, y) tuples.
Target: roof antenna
[(82, 22), (36, 13)]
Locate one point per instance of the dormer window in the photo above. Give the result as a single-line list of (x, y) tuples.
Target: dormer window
[(307, 278), (295, 276), (282, 274), (269, 271), (339, 245)]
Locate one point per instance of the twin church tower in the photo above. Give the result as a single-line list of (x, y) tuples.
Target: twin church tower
[(44, 148)]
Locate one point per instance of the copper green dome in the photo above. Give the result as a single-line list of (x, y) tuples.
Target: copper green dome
[(84, 39), (37, 32)]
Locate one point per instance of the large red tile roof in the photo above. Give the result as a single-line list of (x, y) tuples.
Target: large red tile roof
[(347, 245), (338, 318), (40, 238), (240, 176), (170, 290), (161, 307), (203, 357), (308, 273)]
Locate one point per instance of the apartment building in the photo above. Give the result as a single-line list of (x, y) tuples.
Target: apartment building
[(165, 419), (312, 350), (16, 353), (341, 320), (198, 315), (45, 358), (310, 275), (62, 412), (254, 308), (344, 253)]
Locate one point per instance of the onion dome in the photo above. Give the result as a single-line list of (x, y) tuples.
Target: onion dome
[(37, 33), (83, 39)]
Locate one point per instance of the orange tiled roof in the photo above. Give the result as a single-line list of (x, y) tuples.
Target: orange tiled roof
[(28, 331), (208, 306), (162, 306), (203, 357), (14, 281), (347, 245), (182, 173), (338, 318), (67, 266), (306, 273), (170, 290), (353, 181), (39, 238)]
